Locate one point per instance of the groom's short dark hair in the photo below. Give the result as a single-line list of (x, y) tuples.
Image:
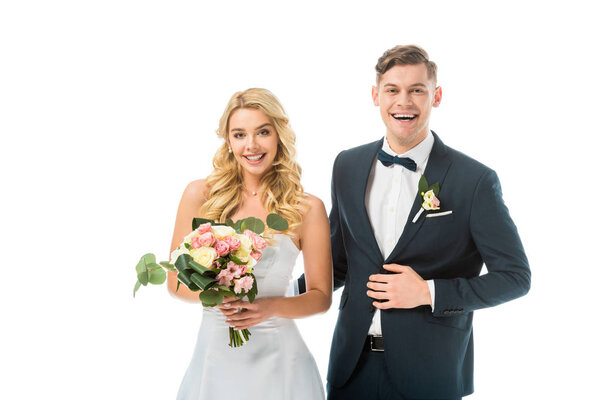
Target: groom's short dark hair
[(405, 55)]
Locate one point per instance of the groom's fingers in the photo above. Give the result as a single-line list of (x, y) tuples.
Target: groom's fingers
[(383, 305), (378, 286), (380, 278), (378, 295)]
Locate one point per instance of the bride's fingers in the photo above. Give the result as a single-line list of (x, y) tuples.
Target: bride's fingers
[(231, 304), (240, 316)]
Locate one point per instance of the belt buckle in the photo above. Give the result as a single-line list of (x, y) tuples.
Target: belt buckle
[(371, 342)]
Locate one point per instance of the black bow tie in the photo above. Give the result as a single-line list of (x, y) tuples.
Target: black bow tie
[(388, 160)]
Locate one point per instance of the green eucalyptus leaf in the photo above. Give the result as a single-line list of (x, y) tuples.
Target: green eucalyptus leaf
[(143, 278), (146, 259), (211, 298), (157, 276), (168, 266), (229, 222), (277, 222), (177, 288), (153, 266), (136, 287), (203, 282), (254, 224), (238, 226), (423, 185)]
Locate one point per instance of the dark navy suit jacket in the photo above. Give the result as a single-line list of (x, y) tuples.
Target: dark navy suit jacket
[(427, 354)]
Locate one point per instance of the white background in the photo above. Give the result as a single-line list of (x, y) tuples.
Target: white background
[(108, 109)]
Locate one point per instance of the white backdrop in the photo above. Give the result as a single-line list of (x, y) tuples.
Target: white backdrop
[(108, 109)]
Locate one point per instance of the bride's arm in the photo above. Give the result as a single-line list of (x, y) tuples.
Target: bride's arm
[(316, 249), (193, 197)]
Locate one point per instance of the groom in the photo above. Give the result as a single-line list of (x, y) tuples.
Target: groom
[(411, 277)]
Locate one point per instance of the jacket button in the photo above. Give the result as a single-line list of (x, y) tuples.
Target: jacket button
[(371, 308)]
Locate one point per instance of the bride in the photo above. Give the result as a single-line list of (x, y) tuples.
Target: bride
[(255, 173)]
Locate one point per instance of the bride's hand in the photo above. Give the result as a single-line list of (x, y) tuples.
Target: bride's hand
[(230, 306), (250, 314)]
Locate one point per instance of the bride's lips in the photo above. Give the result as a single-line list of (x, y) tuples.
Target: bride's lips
[(254, 159)]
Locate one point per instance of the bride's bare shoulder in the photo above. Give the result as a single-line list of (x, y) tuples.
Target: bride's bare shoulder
[(196, 192)]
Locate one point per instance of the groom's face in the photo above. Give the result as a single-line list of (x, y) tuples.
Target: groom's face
[(405, 96)]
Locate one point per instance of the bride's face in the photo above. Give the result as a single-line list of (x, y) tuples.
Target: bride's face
[(253, 140)]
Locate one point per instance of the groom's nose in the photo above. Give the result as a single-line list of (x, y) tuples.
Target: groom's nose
[(403, 98)]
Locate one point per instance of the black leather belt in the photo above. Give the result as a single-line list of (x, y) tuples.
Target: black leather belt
[(374, 343)]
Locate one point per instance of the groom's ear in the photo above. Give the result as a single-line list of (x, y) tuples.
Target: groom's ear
[(375, 95), (437, 96)]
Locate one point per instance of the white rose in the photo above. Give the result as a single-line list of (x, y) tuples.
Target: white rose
[(242, 253), (220, 231), (204, 256), (245, 242), (177, 252)]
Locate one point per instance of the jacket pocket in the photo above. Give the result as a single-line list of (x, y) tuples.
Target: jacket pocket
[(463, 321), (434, 219)]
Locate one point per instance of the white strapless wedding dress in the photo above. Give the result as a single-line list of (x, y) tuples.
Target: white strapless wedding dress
[(274, 364)]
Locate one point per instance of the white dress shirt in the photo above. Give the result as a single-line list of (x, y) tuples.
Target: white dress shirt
[(389, 197)]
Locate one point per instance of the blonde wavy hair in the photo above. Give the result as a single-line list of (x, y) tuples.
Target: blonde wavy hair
[(280, 185)]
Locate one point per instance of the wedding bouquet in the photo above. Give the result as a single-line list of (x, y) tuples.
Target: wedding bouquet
[(216, 260)]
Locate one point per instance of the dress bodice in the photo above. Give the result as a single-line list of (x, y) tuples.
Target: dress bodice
[(274, 270)]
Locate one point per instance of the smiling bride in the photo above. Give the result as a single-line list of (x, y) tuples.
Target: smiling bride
[(255, 173)]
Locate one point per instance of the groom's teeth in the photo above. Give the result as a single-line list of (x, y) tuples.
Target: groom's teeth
[(403, 117), (254, 158)]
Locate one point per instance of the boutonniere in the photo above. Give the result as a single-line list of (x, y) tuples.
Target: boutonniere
[(429, 196)]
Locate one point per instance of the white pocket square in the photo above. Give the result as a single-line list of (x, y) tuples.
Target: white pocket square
[(440, 214)]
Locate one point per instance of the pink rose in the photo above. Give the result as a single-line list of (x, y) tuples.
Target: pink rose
[(243, 283), (257, 255), (233, 242), (196, 242), (206, 239), (222, 248), (203, 228), (257, 241)]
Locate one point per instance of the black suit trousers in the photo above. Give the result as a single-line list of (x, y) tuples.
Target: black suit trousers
[(370, 380)]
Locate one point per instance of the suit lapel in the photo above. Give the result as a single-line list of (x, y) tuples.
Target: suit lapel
[(437, 167), (363, 230)]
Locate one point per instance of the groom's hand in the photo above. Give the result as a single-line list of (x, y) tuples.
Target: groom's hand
[(402, 289)]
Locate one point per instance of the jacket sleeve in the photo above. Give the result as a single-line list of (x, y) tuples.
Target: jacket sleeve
[(338, 250), (497, 240)]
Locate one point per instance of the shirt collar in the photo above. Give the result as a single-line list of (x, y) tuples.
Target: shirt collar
[(419, 154)]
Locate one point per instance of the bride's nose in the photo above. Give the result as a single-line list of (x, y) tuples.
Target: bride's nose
[(251, 142)]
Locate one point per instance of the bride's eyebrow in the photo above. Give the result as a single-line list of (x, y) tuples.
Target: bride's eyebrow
[(263, 126)]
